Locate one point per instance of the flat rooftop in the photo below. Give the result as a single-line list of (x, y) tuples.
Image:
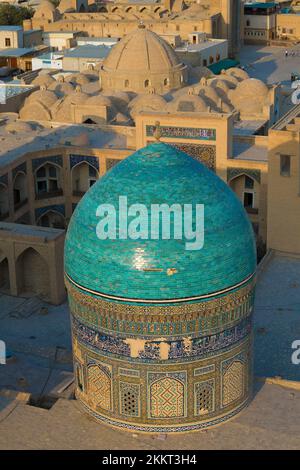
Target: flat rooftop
[(51, 55), (247, 126), (249, 151), (22, 230), (201, 46), (14, 146), (40, 341), (100, 39)]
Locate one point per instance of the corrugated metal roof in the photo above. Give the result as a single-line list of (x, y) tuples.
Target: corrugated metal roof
[(15, 52), (89, 51), (10, 28)]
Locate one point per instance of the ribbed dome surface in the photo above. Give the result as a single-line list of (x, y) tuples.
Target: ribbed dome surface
[(140, 269), (139, 51)]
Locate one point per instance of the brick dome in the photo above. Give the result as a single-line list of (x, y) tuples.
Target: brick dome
[(142, 59)]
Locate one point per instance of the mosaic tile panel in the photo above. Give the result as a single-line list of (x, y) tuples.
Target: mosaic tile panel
[(56, 159), (167, 398), (111, 162), (165, 405), (204, 396), (20, 168), (234, 172), (196, 133), (76, 158), (99, 387), (233, 383), (205, 154), (54, 207), (129, 399)]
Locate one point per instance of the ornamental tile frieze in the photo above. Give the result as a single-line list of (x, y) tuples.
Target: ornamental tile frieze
[(131, 320), (185, 348)]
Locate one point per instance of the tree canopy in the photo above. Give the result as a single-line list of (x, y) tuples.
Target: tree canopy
[(14, 15)]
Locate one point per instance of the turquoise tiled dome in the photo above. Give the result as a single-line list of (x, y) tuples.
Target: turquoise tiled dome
[(161, 269)]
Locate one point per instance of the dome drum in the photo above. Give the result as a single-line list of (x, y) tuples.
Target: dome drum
[(142, 59), (140, 83)]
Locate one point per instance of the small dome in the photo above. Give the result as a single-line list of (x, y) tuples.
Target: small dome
[(35, 111), (99, 100), (78, 78), (148, 102), (188, 103), (120, 99), (61, 88), (43, 79), (252, 87), (47, 97), (220, 85), (249, 97), (210, 94), (237, 73), (63, 112), (140, 269), (230, 79)]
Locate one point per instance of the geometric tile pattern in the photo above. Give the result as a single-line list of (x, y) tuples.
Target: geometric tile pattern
[(233, 383), (99, 387), (129, 399), (205, 154), (167, 398), (204, 397), (111, 162)]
